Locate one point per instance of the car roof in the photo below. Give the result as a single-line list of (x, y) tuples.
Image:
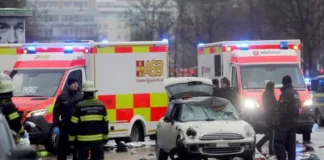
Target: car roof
[(210, 100), (176, 80)]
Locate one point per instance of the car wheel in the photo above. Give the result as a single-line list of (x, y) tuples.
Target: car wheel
[(306, 137), (319, 119), (52, 143), (249, 156), (160, 154)]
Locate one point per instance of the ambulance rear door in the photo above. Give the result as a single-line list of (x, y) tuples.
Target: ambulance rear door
[(129, 77)]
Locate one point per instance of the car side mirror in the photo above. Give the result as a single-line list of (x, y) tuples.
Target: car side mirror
[(168, 120), (23, 153)]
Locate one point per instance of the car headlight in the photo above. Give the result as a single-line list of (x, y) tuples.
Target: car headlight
[(37, 113), (249, 131), (251, 104), (191, 133), (308, 102)]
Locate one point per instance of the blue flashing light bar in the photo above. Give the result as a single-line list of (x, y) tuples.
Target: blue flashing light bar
[(68, 49), (165, 40), (200, 44), (31, 50), (283, 45), (244, 46)]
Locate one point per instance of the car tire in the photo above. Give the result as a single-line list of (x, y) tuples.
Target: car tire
[(249, 156), (306, 136), (160, 154), (319, 119), (52, 142)]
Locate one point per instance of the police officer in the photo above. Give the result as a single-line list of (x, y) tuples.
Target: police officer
[(62, 113), (89, 125), (285, 120), (8, 108)]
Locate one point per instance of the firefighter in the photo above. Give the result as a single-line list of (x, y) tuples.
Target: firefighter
[(62, 113), (8, 108), (89, 125), (285, 120)]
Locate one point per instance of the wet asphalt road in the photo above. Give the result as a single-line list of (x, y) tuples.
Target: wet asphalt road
[(148, 153)]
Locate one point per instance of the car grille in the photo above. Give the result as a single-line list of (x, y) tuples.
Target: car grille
[(221, 136), (225, 150)]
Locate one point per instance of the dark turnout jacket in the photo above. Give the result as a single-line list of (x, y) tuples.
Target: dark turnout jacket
[(286, 114), (9, 110), (269, 104)]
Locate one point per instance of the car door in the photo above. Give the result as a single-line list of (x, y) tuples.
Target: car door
[(191, 86), (172, 129), (162, 128)]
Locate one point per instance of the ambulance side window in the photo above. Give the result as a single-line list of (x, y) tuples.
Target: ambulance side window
[(234, 77), (75, 74), (218, 65)]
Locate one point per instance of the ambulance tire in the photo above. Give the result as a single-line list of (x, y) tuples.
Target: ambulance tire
[(319, 118), (137, 131), (306, 136), (51, 144)]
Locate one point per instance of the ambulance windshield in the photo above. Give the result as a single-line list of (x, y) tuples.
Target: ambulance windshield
[(256, 76), (36, 83)]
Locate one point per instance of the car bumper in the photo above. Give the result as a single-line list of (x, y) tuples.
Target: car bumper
[(217, 149), (40, 133)]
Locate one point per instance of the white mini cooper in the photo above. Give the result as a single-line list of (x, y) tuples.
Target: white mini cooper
[(199, 126)]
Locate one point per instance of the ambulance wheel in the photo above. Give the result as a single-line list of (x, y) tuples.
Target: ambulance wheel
[(306, 137), (52, 142), (137, 133)]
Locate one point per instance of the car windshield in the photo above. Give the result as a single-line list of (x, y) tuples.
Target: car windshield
[(256, 76), (192, 112), (36, 83)]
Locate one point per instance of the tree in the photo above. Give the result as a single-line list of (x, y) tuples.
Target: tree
[(302, 19), (151, 19), (12, 3)]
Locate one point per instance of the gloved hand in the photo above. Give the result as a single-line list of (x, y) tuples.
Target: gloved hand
[(56, 131)]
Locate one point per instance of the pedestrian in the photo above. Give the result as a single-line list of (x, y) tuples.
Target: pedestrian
[(269, 104), (285, 120), (215, 87), (225, 91), (8, 108), (63, 110), (89, 125)]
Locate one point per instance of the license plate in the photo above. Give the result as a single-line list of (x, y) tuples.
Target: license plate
[(222, 145)]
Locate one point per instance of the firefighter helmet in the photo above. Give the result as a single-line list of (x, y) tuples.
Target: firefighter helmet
[(89, 86), (5, 83)]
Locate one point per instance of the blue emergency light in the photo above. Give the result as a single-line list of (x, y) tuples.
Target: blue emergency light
[(68, 49), (200, 44), (244, 46), (165, 40), (31, 50), (283, 45), (104, 41)]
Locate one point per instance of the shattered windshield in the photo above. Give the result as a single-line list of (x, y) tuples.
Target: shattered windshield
[(192, 112), (36, 83)]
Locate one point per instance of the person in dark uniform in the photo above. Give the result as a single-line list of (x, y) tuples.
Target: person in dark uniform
[(226, 92), (215, 86), (89, 125), (269, 104), (285, 120), (7, 107), (63, 109)]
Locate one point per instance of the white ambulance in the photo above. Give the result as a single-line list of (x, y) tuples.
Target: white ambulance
[(128, 75), (249, 65)]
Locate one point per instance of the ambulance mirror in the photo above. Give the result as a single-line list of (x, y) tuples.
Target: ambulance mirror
[(314, 85)]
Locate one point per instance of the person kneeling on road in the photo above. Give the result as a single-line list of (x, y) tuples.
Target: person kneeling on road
[(89, 125), (8, 108)]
